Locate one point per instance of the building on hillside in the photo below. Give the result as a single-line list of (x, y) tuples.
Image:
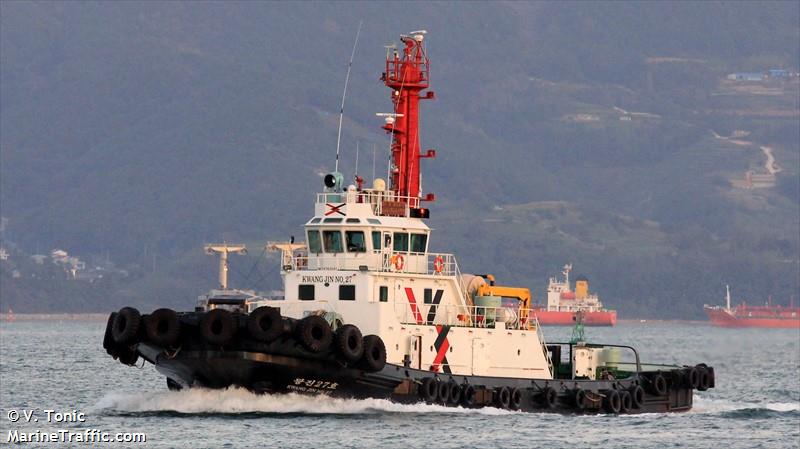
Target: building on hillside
[(746, 76)]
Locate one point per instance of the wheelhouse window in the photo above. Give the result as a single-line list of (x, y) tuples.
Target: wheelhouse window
[(305, 292), (355, 242), (418, 243), (333, 241), (376, 240), (400, 241), (347, 293), (314, 242)]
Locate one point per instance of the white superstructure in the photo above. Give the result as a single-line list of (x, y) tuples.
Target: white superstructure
[(366, 262)]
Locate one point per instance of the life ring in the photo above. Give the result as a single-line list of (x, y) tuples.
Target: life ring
[(398, 262), (438, 264)]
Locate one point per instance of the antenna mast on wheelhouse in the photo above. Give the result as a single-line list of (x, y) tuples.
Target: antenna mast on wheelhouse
[(407, 75)]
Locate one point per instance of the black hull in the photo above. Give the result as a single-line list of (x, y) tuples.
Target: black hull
[(272, 373), (291, 361)]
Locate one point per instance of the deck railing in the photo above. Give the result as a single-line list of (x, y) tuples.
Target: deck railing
[(383, 202), (439, 264), (467, 316)]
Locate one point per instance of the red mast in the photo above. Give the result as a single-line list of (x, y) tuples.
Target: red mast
[(407, 76)]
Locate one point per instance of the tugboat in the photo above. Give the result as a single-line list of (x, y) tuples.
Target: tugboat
[(563, 304), (369, 312)]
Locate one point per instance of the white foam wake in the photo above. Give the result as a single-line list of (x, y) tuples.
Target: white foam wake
[(708, 405), (238, 400)]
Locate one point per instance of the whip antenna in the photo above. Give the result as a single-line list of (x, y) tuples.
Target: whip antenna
[(373, 161), (344, 94)]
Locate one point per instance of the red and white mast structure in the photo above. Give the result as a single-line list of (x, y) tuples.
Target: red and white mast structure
[(407, 74)]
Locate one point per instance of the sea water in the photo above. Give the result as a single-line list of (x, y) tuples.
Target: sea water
[(61, 367)]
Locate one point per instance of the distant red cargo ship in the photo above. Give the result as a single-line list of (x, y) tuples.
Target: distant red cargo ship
[(767, 316), (563, 303)]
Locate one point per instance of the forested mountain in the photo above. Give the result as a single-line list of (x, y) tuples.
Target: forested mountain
[(602, 134)]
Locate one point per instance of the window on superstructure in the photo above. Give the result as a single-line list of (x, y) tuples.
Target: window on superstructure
[(376, 240), (314, 242), (418, 243), (383, 294), (305, 292), (355, 242), (347, 293), (428, 296), (332, 220), (316, 220), (400, 241), (352, 220), (333, 241)]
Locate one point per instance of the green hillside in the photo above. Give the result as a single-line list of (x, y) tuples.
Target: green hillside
[(602, 134)]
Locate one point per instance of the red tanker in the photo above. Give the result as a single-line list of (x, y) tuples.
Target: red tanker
[(766, 316), (563, 304)]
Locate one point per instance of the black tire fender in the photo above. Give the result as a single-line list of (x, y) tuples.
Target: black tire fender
[(455, 394), (637, 396), (705, 380), (374, 358), (658, 385), (625, 401), (429, 390), (108, 339), (349, 343), (612, 401), (163, 327), (580, 399), (468, 396), (218, 327), (443, 395), (692, 377), (503, 397), (314, 333), (548, 397), (126, 326), (265, 324), (516, 398)]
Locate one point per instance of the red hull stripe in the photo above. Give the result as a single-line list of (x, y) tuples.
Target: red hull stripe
[(413, 303)]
